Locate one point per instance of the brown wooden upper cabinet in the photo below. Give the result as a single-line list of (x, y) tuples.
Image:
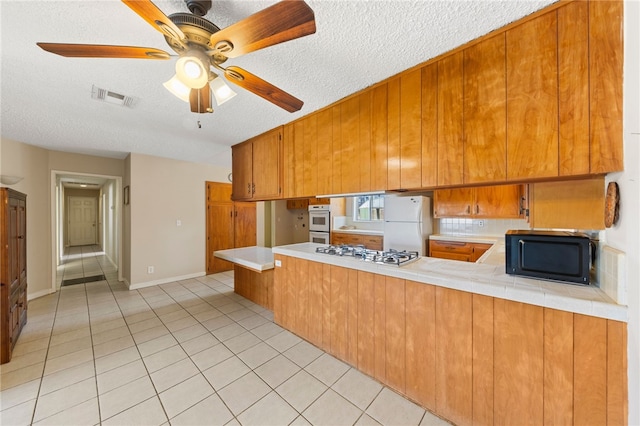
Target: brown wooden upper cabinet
[(540, 99), (500, 201), (256, 165)]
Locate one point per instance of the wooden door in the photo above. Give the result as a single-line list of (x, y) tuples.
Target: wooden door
[(573, 89), (379, 156), (430, 125), (498, 201), (82, 221), (605, 85), (324, 163), (450, 120), (452, 202), (411, 130), (267, 152), (485, 106), (454, 355), (242, 168), (219, 235), (218, 192), (532, 99), (244, 224)]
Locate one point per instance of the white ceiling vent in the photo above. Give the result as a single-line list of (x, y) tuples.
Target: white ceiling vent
[(113, 97)]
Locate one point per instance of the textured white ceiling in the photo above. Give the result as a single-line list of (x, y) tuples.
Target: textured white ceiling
[(46, 99)]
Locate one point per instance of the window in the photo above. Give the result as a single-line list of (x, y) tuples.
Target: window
[(368, 208)]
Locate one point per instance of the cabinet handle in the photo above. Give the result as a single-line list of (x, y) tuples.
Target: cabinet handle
[(477, 209), (249, 188), (253, 188), (468, 209)]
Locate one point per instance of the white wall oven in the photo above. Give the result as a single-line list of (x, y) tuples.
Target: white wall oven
[(319, 224)]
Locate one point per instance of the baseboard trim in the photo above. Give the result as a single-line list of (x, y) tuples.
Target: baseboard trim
[(40, 293), (137, 286)]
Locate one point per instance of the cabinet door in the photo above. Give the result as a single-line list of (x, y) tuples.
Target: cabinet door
[(452, 202), (217, 191), (324, 163), (219, 235), (372, 242), (573, 89), (244, 224), (485, 106), (364, 139), (430, 125), (242, 164), (450, 124), (350, 159), (411, 130), (288, 161), (605, 84), (393, 133), (532, 99), (500, 201), (478, 251), (310, 156), (379, 156), (266, 166)]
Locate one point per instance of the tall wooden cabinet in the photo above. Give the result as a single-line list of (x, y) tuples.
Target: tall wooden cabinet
[(13, 271), (229, 224), (257, 167)]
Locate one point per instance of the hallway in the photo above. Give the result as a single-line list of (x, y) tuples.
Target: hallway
[(81, 264)]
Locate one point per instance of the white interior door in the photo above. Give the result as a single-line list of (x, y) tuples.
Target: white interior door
[(82, 221)]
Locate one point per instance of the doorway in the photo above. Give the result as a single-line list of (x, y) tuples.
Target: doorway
[(86, 228)]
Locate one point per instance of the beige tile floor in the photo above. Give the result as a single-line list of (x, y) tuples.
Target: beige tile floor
[(184, 353)]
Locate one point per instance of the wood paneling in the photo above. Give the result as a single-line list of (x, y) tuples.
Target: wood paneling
[(590, 371), (450, 120), (325, 151), (573, 88), (558, 367), (366, 323), (279, 280), (379, 137), (395, 333), (482, 360), (532, 99), (339, 311), (315, 306), (302, 285), (518, 365), (298, 158), (289, 161), (605, 83), (485, 107), (411, 129), (336, 175), (352, 319), (379, 327), (244, 224), (454, 390), (350, 159), (326, 307), (430, 125), (393, 135), (617, 401), (421, 343)]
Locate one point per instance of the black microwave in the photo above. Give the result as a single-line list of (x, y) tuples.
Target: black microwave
[(550, 255)]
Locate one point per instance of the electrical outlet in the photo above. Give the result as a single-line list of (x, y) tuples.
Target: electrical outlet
[(278, 263), (150, 269), (481, 224), (178, 222)]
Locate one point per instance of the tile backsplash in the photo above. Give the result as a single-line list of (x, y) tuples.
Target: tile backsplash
[(461, 226)]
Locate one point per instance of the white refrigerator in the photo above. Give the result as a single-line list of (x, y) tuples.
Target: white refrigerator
[(407, 223)]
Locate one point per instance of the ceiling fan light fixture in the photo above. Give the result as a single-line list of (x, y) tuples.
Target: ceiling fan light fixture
[(221, 90), (192, 69), (178, 88)]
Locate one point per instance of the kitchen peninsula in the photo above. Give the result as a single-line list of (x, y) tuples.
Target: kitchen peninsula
[(253, 273), (464, 340)]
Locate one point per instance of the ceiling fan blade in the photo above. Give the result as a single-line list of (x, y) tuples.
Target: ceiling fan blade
[(281, 22), (103, 51), (154, 16), (200, 100), (265, 90)]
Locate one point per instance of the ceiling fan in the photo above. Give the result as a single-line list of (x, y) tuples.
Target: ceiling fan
[(202, 47)]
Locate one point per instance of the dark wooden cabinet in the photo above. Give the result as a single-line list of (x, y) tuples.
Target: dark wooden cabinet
[(256, 166), (13, 273)]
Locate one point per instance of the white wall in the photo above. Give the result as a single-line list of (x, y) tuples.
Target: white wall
[(163, 191), (289, 226), (625, 235)]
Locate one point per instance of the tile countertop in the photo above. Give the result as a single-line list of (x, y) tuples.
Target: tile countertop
[(486, 277), (256, 258)]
